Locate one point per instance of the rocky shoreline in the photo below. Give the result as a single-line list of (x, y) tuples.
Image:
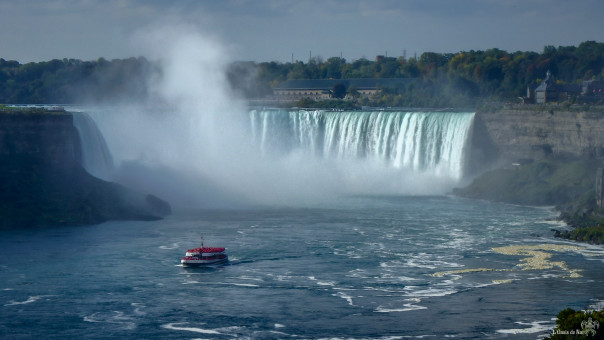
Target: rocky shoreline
[(567, 184)]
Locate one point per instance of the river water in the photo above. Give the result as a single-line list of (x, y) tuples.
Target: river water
[(360, 267)]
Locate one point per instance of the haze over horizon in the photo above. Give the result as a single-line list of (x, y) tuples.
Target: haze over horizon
[(273, 30)]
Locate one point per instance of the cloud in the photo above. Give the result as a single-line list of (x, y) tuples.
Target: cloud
[(274, 29)]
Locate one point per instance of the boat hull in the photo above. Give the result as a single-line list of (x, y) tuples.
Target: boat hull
[(196, 262)]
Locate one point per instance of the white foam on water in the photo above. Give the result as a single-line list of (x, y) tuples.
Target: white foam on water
[(173, 326), (597, 305), (344, 296), (173, 246), (113, 317), (534, 327), (385, 291), (230, 329), (278, 325), (189, 282), (388, 277), (31, 299), (322, 283), (430, 292), (388, 264), (352, 254), (138, 308), (358, 273), (515, 224), (407, 307), (245, 285), (250, 278), (458, 239), (356, 229), (448, 282), (546, 276), (592, 252), (239, 284), (557, 223), (405, 278), (90, 319), (423, 260), (283, 277)]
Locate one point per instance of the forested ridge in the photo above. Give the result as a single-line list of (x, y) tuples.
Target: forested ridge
[(444, 79)]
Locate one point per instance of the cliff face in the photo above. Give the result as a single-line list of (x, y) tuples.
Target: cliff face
[(518, 134), (43, 183), (565, 149), (42, 138)]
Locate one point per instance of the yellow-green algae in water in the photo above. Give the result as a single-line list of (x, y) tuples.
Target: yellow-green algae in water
[(459, 271), (538, 256)]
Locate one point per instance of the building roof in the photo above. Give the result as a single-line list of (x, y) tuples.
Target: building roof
[(549, 84), (359, 83)]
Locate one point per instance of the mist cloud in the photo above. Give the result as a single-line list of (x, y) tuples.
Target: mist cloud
[(191, 143)]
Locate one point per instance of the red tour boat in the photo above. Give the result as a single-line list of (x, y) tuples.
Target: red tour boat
[(204, 256)]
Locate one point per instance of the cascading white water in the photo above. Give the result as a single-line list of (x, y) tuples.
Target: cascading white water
[(424, 142), (96, 158), (201, 147)]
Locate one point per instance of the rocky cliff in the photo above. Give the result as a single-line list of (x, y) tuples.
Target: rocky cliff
[(556, 153), (540, 132), (43, 183)]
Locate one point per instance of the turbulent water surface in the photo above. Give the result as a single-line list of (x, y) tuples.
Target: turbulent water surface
[(321, 258), (381, 267)]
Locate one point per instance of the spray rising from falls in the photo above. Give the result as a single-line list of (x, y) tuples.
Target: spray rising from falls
[(435, 143), (201, 146), (278, 156)]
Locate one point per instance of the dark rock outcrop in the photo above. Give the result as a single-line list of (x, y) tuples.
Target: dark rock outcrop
[(43, 183)]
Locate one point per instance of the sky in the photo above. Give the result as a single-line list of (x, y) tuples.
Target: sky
[(282, 30)]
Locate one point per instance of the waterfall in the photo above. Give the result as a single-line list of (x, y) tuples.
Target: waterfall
[(95, 158), (423, 142)]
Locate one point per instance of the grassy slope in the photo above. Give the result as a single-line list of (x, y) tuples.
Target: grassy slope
[(551, 182)]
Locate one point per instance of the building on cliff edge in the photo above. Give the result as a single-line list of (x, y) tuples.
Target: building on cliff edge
[(321, 89), (551, 91)]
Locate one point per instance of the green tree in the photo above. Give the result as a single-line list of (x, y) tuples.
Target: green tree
[(338, 91), (333, 68), (353, 92)]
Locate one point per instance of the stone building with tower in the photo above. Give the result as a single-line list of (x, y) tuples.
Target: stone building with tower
[(550, 91)]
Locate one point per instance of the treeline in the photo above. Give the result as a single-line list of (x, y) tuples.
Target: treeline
[(444, 79), (74, 81), (462, 78)]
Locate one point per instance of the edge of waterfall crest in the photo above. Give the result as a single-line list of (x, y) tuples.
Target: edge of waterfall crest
[(95, 157)]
